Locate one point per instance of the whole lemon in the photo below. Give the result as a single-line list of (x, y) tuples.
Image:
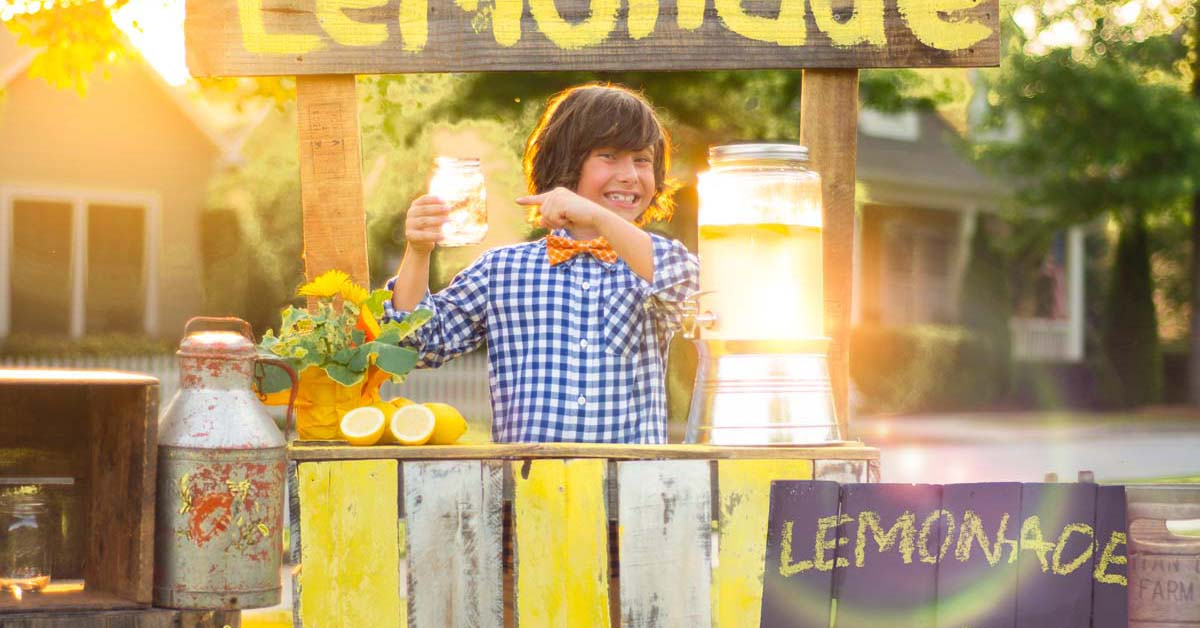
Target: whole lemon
[(450, 424)]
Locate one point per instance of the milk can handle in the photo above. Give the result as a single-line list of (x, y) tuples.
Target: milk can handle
[(287, 427), (221, 320)]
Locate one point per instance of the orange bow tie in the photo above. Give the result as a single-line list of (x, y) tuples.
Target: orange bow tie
[(561, 249)]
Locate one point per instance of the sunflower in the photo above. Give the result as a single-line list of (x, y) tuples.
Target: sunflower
[(353, 293), (326, 285)]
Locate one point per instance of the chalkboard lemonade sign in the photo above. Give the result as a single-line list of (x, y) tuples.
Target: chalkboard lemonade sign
[(954, 556)]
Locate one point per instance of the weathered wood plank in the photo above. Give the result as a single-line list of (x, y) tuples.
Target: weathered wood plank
[(350, 552), (665, 523), (257, 37), (829, 127), (454, 541), (331, 192), (143, 618), (561, 537), (744, 488), (1054, 570), (797, 592), (880, 579), (977, 580), (1110, 593), (328, 450)]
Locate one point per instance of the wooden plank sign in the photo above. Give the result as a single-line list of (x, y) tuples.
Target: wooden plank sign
[(291, 37), (976, 555)]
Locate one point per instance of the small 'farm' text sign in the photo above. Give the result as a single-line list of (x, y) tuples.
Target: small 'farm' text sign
[(283, 37), (977, 555)]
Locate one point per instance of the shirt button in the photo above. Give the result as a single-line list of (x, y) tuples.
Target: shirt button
[(582, 400), (586, 285), (583, 343)]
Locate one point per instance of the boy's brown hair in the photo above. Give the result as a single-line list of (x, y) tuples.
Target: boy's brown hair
[(582, 118)]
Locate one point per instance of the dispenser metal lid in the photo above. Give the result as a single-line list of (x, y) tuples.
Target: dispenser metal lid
[(758, 151)]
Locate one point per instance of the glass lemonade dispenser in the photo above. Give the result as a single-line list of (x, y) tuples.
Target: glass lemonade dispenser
[(762, 376)]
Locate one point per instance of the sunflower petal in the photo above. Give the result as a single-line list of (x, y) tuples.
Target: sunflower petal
[(327, 285)]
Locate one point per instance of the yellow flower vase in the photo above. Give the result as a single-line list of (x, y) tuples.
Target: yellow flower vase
[(321, 402)]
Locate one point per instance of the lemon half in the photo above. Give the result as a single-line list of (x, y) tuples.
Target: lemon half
[(362, 426), (412, 424)]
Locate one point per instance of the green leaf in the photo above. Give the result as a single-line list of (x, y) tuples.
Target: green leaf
[(392, 359), (358, 336), (344, 356), (359, 358), (290, 316), (342, 375), (374, 303), (393, 332)]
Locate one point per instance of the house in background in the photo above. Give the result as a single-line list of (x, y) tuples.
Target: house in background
[(919, 203), (101, 198)]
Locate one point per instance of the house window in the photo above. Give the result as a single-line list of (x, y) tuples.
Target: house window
[(115, 296), (40, 270), (76, 263), (916, 277)]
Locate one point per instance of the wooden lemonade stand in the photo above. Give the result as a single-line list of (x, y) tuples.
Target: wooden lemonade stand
[(687, 521)]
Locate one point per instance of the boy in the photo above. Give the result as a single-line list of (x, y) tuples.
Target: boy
[(577, 323)]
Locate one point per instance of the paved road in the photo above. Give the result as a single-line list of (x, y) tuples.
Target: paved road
[(994, 448)]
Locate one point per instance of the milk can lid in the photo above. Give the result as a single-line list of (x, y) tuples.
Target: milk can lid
[(217, 344)]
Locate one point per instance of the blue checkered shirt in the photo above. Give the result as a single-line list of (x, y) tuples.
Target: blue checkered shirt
[(576, 352)]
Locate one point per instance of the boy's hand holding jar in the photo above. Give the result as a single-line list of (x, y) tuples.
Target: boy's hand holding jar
[(423, 226)]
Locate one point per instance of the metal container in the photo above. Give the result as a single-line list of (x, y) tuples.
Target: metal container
[(762, 376), (221, 468), (761, 393), (1164, 568)]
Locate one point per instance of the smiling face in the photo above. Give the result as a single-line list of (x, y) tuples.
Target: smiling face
[(621, 181)]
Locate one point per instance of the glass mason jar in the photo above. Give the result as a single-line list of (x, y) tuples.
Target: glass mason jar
[(760, 243), (459, 184), (24, 542)]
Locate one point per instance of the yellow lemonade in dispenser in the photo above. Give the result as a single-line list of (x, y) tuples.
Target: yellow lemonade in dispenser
[(760, 243), (765, 280)]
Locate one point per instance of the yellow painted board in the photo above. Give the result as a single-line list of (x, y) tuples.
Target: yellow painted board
[(350, 556), (744, 497), (561, 537)]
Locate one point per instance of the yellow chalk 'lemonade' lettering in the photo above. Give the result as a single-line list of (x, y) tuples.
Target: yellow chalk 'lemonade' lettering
[(1056, 564), (786, 30), (903, 533), (922, 17), (348, 32), (1033, 541), (972, 532), (927, 529), (786, 566), (256, 39), (823, 544), (568, 36), (1109, 557), (864, 26)]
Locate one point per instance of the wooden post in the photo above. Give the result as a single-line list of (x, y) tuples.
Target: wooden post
[(331, 193), (829, 127)]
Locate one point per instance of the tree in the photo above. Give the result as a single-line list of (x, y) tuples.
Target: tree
[(1131, 330), (1108, 127)]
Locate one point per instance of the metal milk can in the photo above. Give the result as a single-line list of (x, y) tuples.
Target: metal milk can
[(221, 468)]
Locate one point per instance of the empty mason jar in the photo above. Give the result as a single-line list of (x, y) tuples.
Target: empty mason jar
[(459, 184), (24, 542)]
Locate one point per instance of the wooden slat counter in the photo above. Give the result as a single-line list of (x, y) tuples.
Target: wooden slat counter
[(424, 536)]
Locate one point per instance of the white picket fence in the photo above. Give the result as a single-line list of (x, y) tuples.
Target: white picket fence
[(461, 382)]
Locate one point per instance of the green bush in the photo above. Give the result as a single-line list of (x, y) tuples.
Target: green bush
[(921, 368), (985, 306), (99, 345)]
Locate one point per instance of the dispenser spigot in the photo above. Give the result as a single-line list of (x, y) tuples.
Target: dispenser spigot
[(693, 319)]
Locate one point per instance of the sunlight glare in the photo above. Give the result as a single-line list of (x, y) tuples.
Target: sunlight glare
[(1128, 13), (156, 28)]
